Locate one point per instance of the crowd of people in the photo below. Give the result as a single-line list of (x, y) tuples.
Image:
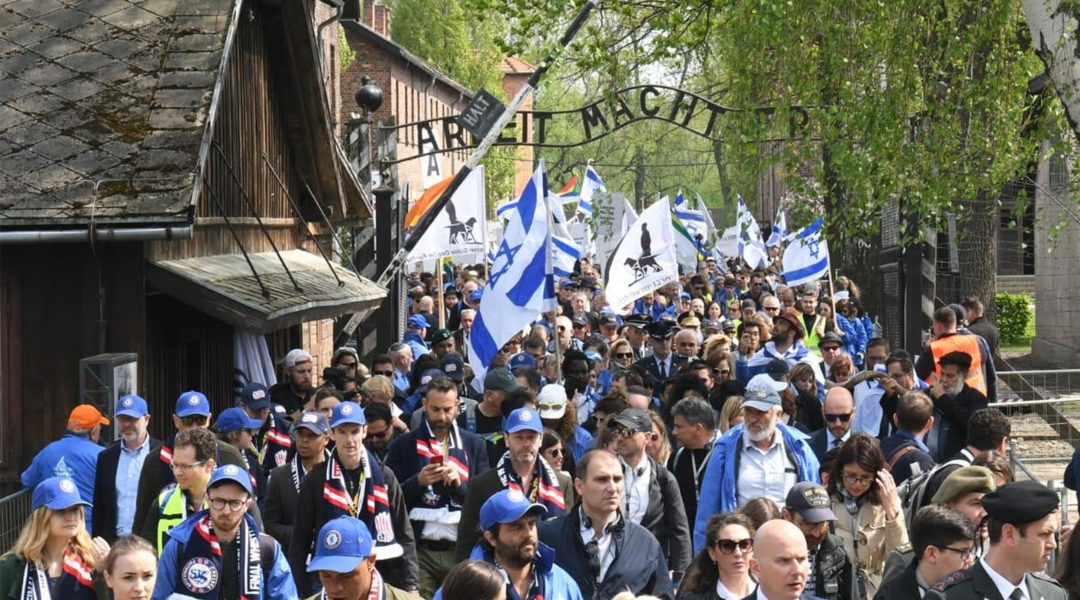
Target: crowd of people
[(723, 438)]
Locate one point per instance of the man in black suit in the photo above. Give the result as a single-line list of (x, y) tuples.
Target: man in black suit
[(781, 562), (839, 411), (283, 489), (663, 363), (116, 481), (1023, 522), (955, 401), (942, 539)]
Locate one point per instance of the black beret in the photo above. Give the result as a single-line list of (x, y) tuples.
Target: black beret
[(1020, 502)]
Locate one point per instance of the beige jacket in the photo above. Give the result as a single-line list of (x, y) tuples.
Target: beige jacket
[(876, 538)]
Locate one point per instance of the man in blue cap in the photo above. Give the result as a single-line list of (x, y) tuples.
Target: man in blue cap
[(520, 468), (219, 553), (351, 482), (192, 412), (417, 330), (272, 442), (116, 480), (283, 488), (511, 542), (345, 561)]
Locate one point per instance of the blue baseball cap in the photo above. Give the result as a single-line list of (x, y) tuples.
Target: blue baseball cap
[(231, 473), (56, 493), (192, 403), (507, 506), (476, 295), (419, 322), (255, 396), (315, 421), (235, 419), (523, 419), (453, 366), (522, 360), (131, 406), (342, 544), (347, 412)]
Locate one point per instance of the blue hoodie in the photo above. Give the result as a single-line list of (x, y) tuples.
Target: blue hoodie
[(557, 583)]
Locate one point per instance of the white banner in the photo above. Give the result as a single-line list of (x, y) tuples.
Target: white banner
[(644, 259), (458, 230)]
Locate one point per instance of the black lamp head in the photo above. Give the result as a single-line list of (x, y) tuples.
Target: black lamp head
[(369, 97)]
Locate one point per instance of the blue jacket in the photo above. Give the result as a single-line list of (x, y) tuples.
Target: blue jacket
[(71, 456), (583, 442), (558, 585), (277, 583), (419, 347), (718, 493)]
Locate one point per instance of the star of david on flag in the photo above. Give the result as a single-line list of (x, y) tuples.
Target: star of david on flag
[(807, 256)]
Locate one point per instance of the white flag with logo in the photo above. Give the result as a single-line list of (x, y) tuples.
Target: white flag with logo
[(645, 258), (458, 229)]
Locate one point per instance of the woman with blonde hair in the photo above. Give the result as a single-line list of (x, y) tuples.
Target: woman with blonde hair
[(658, 444), (731, 415), (54, 556)]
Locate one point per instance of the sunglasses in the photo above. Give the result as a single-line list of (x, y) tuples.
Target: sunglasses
[(624, 355), (555, 451), (843, 418), (193, 420), (729, 546), (384, 373)]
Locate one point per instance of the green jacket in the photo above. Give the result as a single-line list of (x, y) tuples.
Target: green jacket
[(11, 577)]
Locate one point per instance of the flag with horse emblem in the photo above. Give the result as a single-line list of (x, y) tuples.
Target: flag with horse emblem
[(644, 260), (458, 230)]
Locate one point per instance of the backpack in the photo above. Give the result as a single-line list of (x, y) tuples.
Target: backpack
[(913, 491)]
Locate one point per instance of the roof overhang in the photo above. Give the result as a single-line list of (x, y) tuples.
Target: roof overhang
[(225, 287)]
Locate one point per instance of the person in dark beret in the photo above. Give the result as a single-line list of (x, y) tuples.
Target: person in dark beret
[(954, 401), (1023, 521)]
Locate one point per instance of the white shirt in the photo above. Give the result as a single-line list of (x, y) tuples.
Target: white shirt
[(723, 592), (765, 473), (1004, 586), (636, 489), (605, 548), (830, 439), (868, 413)]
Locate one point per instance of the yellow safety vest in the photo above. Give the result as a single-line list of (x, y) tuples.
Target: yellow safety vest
[(172, 507)]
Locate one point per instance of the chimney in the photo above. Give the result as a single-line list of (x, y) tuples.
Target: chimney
[(377, 17)]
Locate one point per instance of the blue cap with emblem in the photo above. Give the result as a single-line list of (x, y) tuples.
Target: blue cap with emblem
[(235, 419), (255, 396), (314, 421), (230, 473), (192, 403), (347, 412), (342, 543), (523, 419), (56, 493), (507, 506), (131, 406)]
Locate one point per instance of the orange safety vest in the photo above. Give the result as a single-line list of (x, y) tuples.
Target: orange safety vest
[(959, 342)]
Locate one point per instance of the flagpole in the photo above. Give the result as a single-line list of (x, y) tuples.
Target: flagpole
[(473, 162), (442, 303), (549, 271)]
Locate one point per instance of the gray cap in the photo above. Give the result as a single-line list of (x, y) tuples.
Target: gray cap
[(762, 393)]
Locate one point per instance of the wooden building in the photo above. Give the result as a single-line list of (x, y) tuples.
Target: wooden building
[(167, 169)]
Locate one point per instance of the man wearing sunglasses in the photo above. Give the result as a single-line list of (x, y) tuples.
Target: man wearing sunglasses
[(941, 537), (192, 412), (838, 409), (831, 572)]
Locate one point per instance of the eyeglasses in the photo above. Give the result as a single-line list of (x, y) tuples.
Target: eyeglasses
[(552, 406), (380, 434), (729, 546), (833, 418), (856, 480), (182, 467), (965, 553), (725, 372), (624, 355), (384, 373), (193, 420), (221, 503)]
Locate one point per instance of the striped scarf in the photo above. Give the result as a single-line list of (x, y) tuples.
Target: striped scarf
[(374, 510), (544, 489), (76, 580), (200, 562), (438, 503)]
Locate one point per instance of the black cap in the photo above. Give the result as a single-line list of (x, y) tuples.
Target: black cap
[(580, 320), (961, 359), (748, 303), (588, 282), (634, 419), (829, 338), (810, 501), (661, 330), (640, 321), (608, 320), (1020, 502)]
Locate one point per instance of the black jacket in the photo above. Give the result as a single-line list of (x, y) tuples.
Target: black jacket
[(957, 411), (901, 586), (833, 573), (402, 572), (665, 518), (648, 366), (282, 500), (105, 507), (638, 566)]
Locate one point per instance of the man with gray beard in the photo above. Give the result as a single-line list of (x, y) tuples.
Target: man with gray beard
[(761, 457), (955, 401)]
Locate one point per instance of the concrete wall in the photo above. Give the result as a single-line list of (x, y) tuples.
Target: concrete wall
[(1057, 304)]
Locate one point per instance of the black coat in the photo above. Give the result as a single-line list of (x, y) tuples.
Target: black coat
[(105, 507), (648, 366), (665, 518), (639, 564), (282, 499), (901, 586), (957, 411)]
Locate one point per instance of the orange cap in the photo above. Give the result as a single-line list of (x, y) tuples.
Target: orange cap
[(86, 416)]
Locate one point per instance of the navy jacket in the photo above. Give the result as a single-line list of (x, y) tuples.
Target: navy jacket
[(104, 499), (639, 565)]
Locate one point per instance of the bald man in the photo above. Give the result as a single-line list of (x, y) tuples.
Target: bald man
[(839, 412), (780, 562)]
